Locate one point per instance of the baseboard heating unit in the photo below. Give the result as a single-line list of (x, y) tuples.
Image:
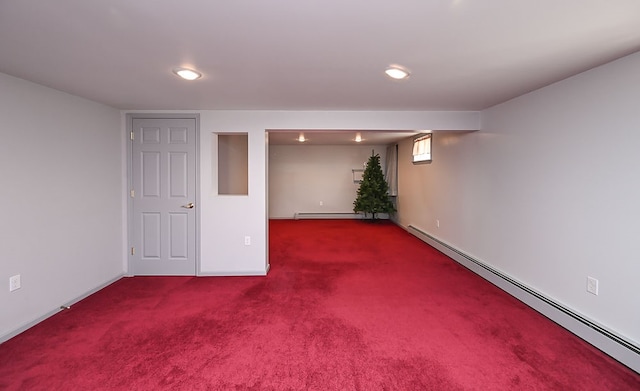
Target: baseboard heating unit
[(623, 350), (336, 215), (326, 215)]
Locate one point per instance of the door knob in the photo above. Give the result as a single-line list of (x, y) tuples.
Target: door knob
[(189, 205)]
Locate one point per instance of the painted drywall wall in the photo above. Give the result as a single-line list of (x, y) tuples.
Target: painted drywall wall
[(60, 170), (225, 220), (301, 177), (547, 192)]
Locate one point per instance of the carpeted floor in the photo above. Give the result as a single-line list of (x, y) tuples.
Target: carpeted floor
[(348, 305)]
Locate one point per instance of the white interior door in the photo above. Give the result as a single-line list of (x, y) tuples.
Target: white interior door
[(163, 196)]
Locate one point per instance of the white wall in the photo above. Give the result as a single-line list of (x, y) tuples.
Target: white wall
[(226, 220), (60, 172), (302, 176), (548, 192)]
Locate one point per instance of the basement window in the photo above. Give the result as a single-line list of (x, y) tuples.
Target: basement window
[(422, 149)]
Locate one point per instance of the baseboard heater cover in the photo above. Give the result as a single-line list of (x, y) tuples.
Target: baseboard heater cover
[(588, 330), (327, 215)]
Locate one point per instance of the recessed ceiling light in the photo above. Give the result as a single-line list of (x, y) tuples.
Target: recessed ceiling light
[(301, 138), (397, 72), (187, 74), (358, 138)]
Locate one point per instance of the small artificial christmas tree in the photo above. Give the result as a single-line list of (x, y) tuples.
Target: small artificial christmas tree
[(373, 193)]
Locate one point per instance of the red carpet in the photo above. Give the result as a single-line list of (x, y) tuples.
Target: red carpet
[(348, 305)]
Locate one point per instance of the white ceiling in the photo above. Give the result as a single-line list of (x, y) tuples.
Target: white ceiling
[(310, 54)]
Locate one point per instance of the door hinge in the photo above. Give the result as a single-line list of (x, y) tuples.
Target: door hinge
[(132, 194), (133, 251), (131, 135)]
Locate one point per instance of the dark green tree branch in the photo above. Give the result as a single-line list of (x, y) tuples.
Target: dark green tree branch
[(373, 193)]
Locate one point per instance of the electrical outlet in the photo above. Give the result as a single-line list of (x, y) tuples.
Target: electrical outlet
[(14, 283), (592, 285), (321, 203), (247, 240)]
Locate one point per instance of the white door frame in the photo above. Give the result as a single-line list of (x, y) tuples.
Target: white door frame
[(129, 128)]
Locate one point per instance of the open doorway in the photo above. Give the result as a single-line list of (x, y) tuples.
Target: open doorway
[(315, 173)]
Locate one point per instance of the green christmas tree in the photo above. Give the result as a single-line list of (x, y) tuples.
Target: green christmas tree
[(373, 196)]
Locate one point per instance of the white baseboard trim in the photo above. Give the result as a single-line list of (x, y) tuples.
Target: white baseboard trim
[(49, 314), (616, 346), (241, 273)]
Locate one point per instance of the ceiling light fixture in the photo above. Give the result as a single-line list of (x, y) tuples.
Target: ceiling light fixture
[(397, 72), (187, 74), (358, 138), (301, 138)]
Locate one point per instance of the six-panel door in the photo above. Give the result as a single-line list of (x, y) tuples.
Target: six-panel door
[(164, 177)]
